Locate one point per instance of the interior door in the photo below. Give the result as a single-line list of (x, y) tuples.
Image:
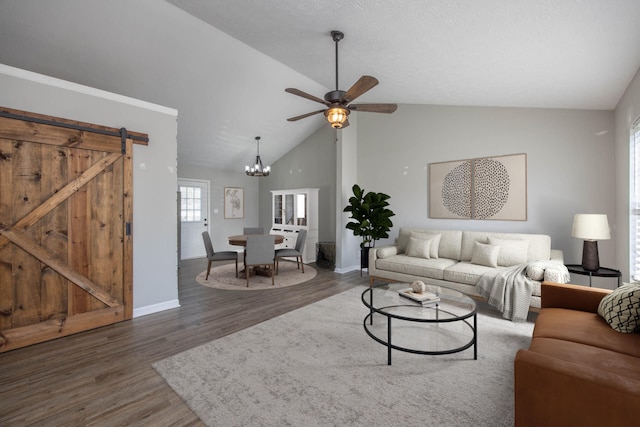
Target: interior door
[(194, 212), (65, 227)]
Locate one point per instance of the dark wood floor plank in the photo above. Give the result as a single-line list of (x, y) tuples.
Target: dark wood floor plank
[(104, 377)]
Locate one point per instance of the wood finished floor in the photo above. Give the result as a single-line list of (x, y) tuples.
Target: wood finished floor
[(104, 377)]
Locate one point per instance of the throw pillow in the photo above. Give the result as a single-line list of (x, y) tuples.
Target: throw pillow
[(435, 241), (387, 252), (484, 254), (558, 275), (418, 248), (512, 252), (621, 308), (535, 272)]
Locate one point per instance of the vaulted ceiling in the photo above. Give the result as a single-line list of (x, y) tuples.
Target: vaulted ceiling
[(225, 64)]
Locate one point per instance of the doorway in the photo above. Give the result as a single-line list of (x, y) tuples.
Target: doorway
[(193, 215)]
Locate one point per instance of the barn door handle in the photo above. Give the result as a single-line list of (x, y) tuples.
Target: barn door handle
[(127, 229)]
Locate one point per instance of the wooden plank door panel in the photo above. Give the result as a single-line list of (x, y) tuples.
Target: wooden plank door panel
[(27, 172), (54, 229), (6, 194), (65, 207)]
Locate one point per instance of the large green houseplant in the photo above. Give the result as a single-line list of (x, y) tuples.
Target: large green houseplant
[(370, 219)]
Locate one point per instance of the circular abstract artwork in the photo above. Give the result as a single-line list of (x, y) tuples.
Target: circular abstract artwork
[(490, 188), (456, 190)]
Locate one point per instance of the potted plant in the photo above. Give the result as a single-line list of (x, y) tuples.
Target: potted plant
[(370, 219)]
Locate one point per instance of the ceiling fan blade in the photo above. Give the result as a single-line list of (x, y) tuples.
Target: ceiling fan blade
[(374, 108), (363, 84), (293, 119), (305, 95)]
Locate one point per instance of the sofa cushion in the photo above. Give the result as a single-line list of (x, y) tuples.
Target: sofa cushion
[(621, 308), (401, 263), (484, 254), (464, 272), (539, 244), (435, 241), (419, 248), (585, 328), (512, 252), (587, 355), (450, 241)]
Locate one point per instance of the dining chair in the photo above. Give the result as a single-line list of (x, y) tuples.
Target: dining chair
[(217, 256), (252, 230), (260, 252), (296, 252)]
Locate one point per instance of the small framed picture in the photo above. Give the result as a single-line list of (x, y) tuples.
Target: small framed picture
[(233, 202)]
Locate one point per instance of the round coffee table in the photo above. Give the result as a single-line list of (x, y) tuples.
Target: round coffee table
[(443, 327)]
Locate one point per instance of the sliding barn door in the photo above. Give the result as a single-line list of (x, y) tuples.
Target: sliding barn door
[(65, 227)]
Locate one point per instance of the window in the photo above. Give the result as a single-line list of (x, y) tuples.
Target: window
[(190, 203), (634, 203)]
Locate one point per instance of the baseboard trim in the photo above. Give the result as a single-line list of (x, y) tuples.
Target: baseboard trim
[(154, 308), (348, 269)]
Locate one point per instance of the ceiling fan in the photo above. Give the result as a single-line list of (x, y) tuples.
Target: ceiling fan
[(338, 101)]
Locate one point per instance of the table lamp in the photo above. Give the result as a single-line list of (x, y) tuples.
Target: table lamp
[(590, 228)]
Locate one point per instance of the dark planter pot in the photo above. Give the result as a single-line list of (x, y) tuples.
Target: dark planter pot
[(364, 257)]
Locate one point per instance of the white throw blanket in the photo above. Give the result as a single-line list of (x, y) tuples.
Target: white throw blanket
[(507, 290)]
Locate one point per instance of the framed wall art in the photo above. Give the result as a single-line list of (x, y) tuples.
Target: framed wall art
[(233, 202), (488, 188)]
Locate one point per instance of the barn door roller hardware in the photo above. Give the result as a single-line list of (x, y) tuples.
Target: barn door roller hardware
[(123, 133)]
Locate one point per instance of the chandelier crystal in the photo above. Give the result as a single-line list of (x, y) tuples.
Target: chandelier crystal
[(258, 169)]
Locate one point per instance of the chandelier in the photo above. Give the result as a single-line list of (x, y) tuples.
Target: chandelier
[(258, 169)]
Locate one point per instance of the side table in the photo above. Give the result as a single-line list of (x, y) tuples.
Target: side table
[(601, 272)]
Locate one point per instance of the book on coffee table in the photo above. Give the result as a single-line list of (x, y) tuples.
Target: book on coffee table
[(424, 298)]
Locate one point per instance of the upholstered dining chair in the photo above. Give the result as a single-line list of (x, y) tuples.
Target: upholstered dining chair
[(217, 256), (296, 252), (252, 230), (260, 252)]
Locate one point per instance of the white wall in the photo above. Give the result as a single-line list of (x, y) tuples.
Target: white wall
[(155, 283), (348, 246), (219, 227), (627, 111), (570, 164), (311, 164)]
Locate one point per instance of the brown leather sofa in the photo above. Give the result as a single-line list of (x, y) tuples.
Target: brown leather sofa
[(578, 371)]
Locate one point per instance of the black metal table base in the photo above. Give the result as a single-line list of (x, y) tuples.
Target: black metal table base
[(473, 342)]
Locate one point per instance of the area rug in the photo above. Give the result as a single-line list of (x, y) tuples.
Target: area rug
[(224, 277), (316, 366)]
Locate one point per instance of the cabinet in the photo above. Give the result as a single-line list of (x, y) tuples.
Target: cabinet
[(292, 211)]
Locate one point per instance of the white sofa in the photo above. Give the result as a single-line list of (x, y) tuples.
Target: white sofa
[(458, 259)]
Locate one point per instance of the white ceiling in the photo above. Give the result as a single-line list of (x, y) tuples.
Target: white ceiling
[(225, 64)]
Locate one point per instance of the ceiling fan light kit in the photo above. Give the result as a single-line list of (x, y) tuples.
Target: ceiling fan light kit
[(338, 101), (258, 169), (337, 116)]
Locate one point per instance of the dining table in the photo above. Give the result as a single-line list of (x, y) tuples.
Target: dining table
[(241, 240)]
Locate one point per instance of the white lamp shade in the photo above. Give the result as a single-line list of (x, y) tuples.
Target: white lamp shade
[(591, 227)]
